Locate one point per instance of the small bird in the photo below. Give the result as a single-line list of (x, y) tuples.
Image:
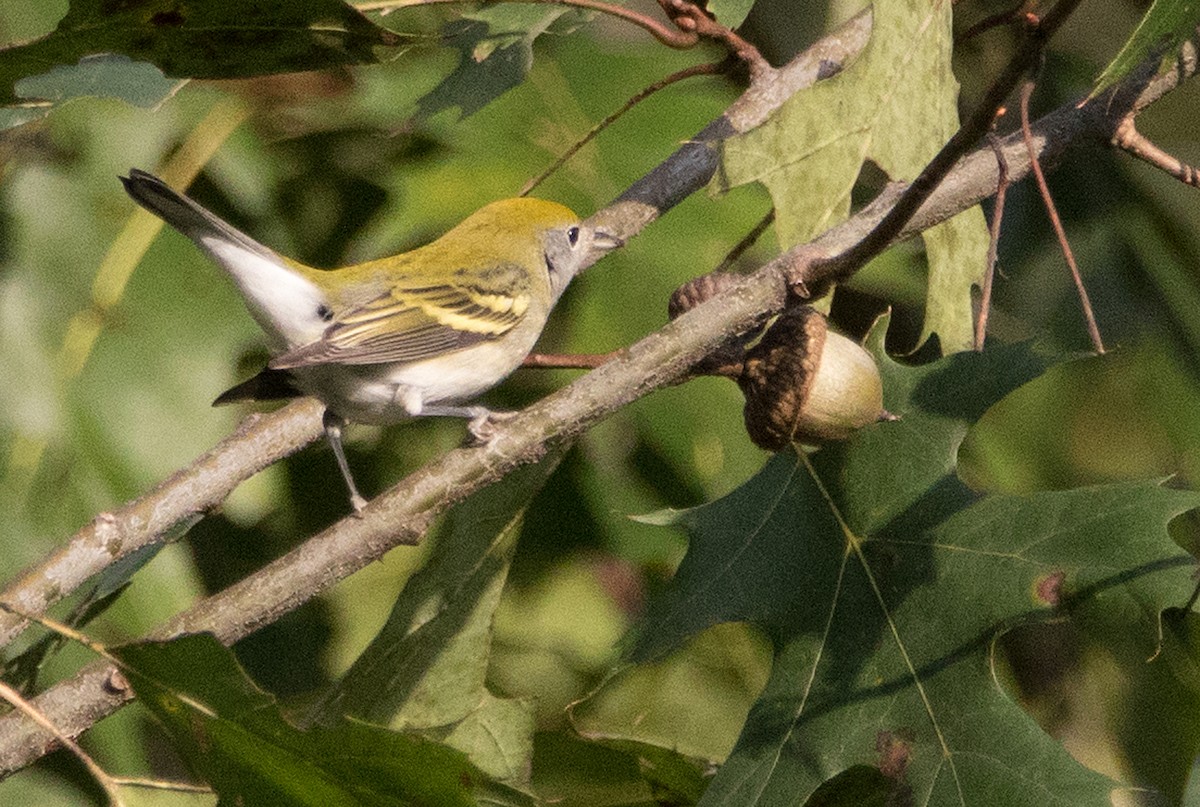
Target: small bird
[(419, 333)]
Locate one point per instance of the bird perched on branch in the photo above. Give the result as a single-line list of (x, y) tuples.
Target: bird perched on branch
[(419, 333)]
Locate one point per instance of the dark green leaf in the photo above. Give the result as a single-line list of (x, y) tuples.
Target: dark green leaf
[(214, 39), (888, 469), (673, 777), (496, 46), (425, 669), (884, 581), (234, 736), (606, 773)]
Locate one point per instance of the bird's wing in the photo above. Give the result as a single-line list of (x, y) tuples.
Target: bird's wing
[(413, 322)]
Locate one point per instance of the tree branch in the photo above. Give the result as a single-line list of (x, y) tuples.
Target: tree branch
[(264, 439), (1127, 137), (402, 514), (259, 441)]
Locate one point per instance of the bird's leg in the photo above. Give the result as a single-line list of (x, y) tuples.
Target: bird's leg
[(481, 421), (333, 433)]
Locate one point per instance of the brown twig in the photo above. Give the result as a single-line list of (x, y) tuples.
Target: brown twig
[(707, 69), (161, 784), (1128, 138), (750, 239), (689, 17), (978, 124), (691, 22), (1012, 15), (568, 361), (985, 298), (1052, 211), (1192, 598), (27, 708), (21, 704)]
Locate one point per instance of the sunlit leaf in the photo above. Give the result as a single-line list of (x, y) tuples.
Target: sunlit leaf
[(895, 106), (425, 669)]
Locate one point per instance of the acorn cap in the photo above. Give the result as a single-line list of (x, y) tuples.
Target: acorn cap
[(727, 359), (699, 289), (805, 383)]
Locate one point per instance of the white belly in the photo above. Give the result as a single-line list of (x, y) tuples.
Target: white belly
[(388, 393)]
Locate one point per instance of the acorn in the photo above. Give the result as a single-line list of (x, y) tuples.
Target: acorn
[(803, 382)]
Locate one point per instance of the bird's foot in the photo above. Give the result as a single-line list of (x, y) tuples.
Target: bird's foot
[(484, 425)]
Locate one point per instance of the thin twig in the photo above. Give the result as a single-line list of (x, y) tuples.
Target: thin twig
[(691, 24), (568, 361), (20, 703), (749, 240), (978, 124), (161, 784), (1128, 138), (997, 20), (707, 69), (985, 299), (1088, 315), (690, 17)]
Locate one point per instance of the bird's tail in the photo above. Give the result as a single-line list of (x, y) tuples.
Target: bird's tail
[(281, 294), (187, 216), (268, 385)]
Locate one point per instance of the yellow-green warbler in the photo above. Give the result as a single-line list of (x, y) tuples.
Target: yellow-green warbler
[(418, 333)]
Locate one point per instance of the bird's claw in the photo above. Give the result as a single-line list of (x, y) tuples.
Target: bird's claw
[(484, 426)]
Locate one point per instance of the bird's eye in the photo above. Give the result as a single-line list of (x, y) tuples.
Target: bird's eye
[(573, 235)]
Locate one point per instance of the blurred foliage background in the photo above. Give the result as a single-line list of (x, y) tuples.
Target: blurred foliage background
[(333, 167)]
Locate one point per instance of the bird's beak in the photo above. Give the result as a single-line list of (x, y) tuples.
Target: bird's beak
[(604, 242)]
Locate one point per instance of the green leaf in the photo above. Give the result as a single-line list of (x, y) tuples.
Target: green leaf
[(574, 771), (895, 107), (234, 736), (883, 582), (655, 703), (496, 45), (101, 76), (730, 13), (1167, 24), (673, 777), (214, 39), (425, 669)]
